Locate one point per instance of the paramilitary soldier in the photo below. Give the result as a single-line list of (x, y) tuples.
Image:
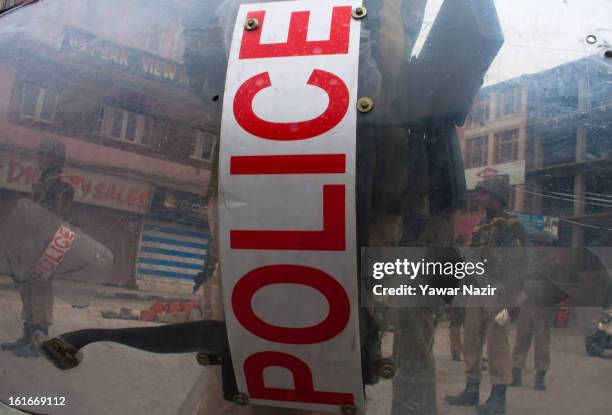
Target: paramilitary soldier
[(484, 319), (534, 323), (36, 294)]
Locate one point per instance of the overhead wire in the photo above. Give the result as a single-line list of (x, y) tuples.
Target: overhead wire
[(573, 222)]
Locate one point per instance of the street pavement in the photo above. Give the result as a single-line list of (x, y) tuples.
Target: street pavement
[(114, 379)]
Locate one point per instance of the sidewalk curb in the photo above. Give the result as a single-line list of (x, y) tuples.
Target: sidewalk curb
[(110, 292)]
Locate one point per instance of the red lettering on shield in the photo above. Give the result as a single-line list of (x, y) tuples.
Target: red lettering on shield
[(337, 106), (331, 238), (61, 242), (289, 164), (296, 44), (303, 391), (337, 317)]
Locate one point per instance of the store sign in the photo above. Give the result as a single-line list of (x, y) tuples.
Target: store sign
[(19, 173), (130, 60), (287, 204), (514, 170), (539, 223)]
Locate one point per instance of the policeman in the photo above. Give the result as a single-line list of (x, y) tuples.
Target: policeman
[(36, 293), (534, 323), (485, 322), (546, 286)]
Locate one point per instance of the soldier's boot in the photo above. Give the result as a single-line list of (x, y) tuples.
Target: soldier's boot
[(20, 342), (469, 397), (39, 334), (517, 378), (496, 404), (539, 381)]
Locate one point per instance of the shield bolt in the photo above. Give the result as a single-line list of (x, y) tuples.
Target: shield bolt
[(241, 399), (251, 23), (348, 410), (56, 346), (359, 12), (365, 104), (203, 359), (387, 371), (387, 368)]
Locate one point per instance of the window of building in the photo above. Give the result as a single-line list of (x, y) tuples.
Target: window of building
[(476, 152), (506, 146), (125, 125), (509, 102), (559, 146), (557, 196), (38, 103), (204, 146), (479, 114), (598, 192)]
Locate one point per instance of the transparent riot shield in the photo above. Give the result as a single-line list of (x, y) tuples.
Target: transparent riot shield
[(305, 207), (69, 254)]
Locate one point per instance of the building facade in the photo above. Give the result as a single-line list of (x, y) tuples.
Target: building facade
[(138, 142), (550, 134), (569, 163), (493, 143)]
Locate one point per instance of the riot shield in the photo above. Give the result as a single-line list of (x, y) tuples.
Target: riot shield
[(39, 244), (223, 206)]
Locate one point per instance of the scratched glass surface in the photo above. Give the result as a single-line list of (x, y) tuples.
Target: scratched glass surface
[(110, 118)]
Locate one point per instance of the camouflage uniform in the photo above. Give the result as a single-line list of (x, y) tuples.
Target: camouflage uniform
[(534, 323), (537, 313), (54, 194), (497, 229)]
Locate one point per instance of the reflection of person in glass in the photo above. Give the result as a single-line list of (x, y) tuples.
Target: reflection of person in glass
[(483, 323), (37, 293), (534, 323)]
